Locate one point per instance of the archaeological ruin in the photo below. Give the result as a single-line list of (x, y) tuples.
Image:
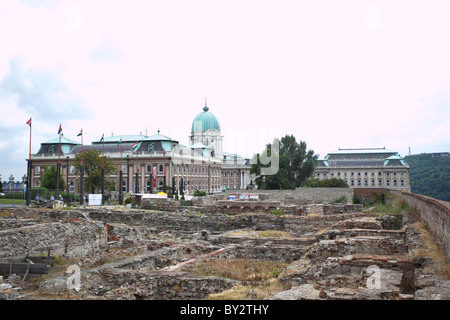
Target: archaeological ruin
[(272, 245)]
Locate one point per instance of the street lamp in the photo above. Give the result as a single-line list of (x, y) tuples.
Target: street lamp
[(11, 182)]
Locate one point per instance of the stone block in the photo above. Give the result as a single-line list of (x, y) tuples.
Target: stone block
[(355, 270)]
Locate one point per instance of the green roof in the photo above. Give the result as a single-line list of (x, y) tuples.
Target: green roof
[(362, 151), (159, 137), (63, 141), (125, 138), (205, 121)]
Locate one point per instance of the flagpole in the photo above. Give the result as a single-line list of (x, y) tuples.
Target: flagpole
[(103, 169), (120, 176), (137, 168), (58, 166), (151, 170), (81, 172), (29, 172), (81, 147)]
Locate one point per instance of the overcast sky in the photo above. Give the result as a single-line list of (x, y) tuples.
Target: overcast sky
[(334, 73)]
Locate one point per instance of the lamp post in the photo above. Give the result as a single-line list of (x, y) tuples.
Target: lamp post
[(11, 183)]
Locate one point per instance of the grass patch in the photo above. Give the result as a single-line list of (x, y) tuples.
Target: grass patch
[(277, 213), (397, 206), (432, 251), (248, 271), (261, 234), (14, 201), (341, 199)]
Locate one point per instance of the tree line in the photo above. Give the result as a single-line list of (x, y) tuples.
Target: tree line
[(430, 175)]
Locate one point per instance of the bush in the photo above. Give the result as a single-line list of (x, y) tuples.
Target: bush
[(341, 199), (199, 193), (356, 199), (276, 212)]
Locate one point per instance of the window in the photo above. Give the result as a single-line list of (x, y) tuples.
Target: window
[(51, 149), (37, 184), (37, 170), (388, 182), (72, 169), (395, 182), (353, 182), (373, 182), (124, 168), (124, 186), (366, 183), (380, 183), (161, 168), (402, 182)]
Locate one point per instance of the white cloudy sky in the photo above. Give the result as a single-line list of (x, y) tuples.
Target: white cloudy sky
[(334, 73)]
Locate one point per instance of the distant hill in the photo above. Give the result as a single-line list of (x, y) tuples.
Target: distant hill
[(430, 174)]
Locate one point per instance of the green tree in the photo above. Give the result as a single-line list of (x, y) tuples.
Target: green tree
[(92, 163), (327, 183), (48, 179), (295, 164)]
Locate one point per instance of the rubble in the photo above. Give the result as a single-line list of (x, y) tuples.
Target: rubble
[(331, 252)]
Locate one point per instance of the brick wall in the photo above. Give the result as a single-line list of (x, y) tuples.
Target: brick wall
[(368, 194), (435, 214)]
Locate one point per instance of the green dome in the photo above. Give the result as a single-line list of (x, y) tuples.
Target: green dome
[(205, 121)]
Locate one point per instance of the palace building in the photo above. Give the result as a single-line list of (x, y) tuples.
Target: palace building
[(365, 168), (158, 160)]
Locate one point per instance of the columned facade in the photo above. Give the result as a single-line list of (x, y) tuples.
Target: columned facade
[(200, 166)]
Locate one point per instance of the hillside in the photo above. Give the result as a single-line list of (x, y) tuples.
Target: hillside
[(430, 175)]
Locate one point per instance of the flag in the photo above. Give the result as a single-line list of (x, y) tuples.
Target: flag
[(81, 133), (135, 147), (120, 142), (60, 129), (29, 122), (103, 137)]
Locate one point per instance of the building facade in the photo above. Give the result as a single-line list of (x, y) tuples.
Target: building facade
[(149, 163), (365, 168)]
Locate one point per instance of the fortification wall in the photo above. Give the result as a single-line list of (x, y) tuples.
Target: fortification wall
[(435, 214)]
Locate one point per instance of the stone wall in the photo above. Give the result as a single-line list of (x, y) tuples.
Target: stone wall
[(435, 214), (78, 238), (153, 285), (298, 196)]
